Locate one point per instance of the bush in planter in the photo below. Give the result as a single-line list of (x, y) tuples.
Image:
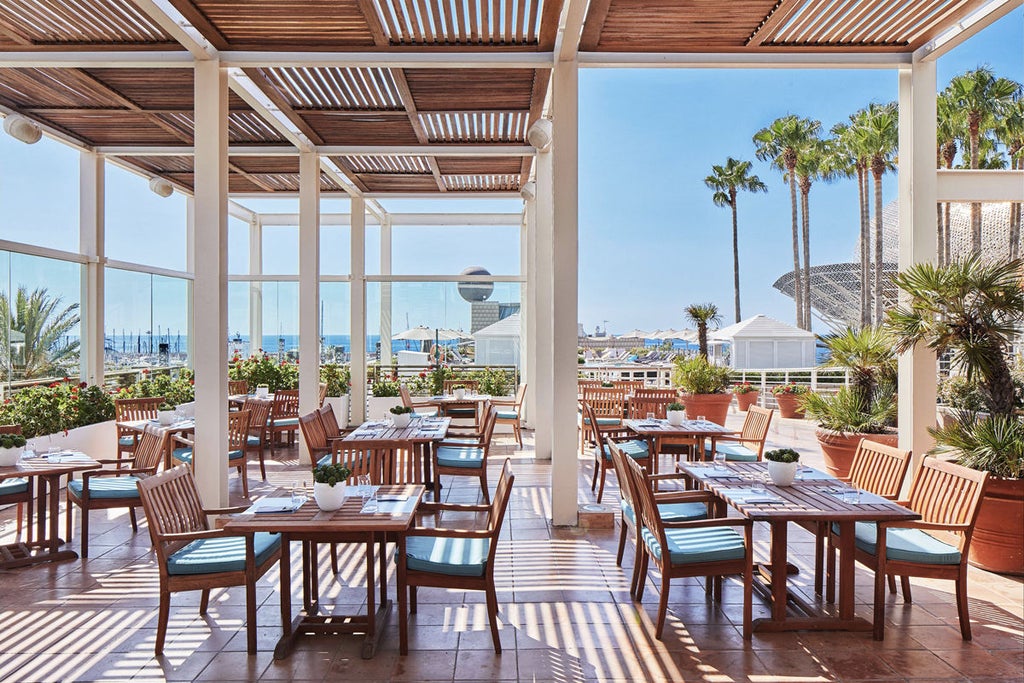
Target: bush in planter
[(744, 388), (336, 377), (782, 455), (48, 409), (960, 393), (791, 389), (495, 382), (386, 388), (12, 441), (331, 474), (698, 376), (846, 411), (263, 369), (176, 390)]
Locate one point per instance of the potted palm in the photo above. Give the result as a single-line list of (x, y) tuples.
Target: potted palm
[(864, 409), (329, 489), (746, 395), (782, 465), (703, 385), (337, 378), (974, 309)]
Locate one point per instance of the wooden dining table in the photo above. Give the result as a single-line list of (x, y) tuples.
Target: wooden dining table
[(417, 439), (815, 497), (451, 402), (46, 546), (396, 509), (654, 431)]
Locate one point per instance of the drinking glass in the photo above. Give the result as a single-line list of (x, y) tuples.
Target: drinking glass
[(720, 461), (298, 494), (367, 492), (701, 418), (52, 454), (650, 417)]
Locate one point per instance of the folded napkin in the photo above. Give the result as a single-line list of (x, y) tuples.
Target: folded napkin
[(649, 424), (753, 495), (271, 505)]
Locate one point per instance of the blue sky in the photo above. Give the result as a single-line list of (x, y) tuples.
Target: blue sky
[(651, 240)]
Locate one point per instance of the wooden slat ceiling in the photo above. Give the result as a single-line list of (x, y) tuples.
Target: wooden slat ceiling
[(393, 106)]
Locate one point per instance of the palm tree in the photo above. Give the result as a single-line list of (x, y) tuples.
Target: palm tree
[(37, 349), (781, 143), (810, 166), (849, 159), (951, 127), (878, 131), (702, 315), (982, 97), (868, 353), (727, 181), (1010, 132)]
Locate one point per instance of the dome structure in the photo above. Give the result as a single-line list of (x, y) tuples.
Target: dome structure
[(475, 291)]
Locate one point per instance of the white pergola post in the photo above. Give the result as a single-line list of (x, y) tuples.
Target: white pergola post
[(358, 310), (385, 292), (543, 293), (91, 238), (917, 200), (255, 288), (309, 289), (211, 281), (528, 317), (565, 253), (190, 266)]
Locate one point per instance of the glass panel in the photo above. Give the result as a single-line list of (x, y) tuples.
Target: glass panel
[(238, 246), (39, 193), (280, 250), (238, 317), (429, 250), (170, 317), (141, 226), (335, 250), (335, 321), (127, 319), (281, 319)]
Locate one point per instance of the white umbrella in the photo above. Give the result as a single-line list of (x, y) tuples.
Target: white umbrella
[(639, 334), (423, 333)]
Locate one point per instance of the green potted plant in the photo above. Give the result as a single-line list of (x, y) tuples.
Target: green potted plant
[(704, 388), (11, 448), (337, 378), (329, 489), (746, 395), (864, 409), (782, 465), (789, 399), (401, 416), (385, 395), (459, 391), (675, 413), (974, 310), (165, 414)]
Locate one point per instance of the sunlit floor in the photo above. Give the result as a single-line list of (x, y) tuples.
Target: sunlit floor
[(564, 608)]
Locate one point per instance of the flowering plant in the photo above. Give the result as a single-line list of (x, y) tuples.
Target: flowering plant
[(791, 388), (336, 377), (261, 368), (436, 376), (743, 388), (384, 387), (57, 407), (174, 390)]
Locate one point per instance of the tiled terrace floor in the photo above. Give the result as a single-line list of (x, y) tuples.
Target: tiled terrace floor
[(564, 608)]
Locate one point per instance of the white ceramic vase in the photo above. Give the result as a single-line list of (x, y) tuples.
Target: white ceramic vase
[(166, 417), (329, 498), (782, 473), (10, 456), (675, 417), (401, 421)]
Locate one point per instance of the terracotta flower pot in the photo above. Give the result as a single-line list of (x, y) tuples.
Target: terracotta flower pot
[(714, 407), (744, 401), (789, 405), (839, 447), (996, 544)]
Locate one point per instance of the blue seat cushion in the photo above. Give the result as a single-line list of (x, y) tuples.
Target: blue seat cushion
[(693, 546), (733, 452), (183, 454), (604, 421), (508, 415), (450, 556), (252, 440), (127, 441), (107, 487), (325, 460), (9, 487), (670, 512), (235, 455), (904, 545), (227, 554), (417, 414), (467, 457), (286, 422), (635, 449)]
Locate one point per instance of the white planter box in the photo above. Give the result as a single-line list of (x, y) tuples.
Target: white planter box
[(98, 441), (340, 406), (377, 407)]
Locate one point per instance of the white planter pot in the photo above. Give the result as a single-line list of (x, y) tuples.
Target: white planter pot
[(10, 456), (340, 406), (378, 407), (675, 417), (329, 497), (166, 417), (782, 473), (98, 441), (262, 392), (401, 421), (460, 394)]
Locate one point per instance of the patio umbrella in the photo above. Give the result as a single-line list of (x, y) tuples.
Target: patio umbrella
[(639, 334)]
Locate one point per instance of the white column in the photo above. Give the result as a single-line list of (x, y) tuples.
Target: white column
[(309, 289), (528, 266), (91, 244), (385, 292), (543, 280), (358, 310), (255, 288), (190, 266), (211, 281), (565, 253), (917, 199)]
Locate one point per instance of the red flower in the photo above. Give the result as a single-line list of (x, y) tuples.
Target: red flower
[(145, 372), (54, 385), (82, 385), (423, 374)]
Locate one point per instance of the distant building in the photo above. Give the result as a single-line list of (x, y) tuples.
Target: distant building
[(763, 342)]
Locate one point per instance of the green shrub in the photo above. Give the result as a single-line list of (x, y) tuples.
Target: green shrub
[(337, 377), (51, 408), (262, 369), (697, 376), (12, 441), (331, 474), (961, 393), (782, 455)]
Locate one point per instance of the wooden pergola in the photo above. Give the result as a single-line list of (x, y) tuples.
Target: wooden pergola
[(423, 98)]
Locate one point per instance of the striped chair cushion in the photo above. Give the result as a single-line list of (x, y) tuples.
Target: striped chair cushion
[(213, 555), (451, 556), (106, 487)]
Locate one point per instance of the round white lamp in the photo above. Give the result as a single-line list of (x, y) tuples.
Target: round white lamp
[(21, 128), (539, 134), (528, 191), (161, 187)]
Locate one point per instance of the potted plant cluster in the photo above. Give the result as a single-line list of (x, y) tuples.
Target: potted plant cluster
[(864, 409), (789, 398), (11, 448), (338, 378), (329, 489), (401, 416), (703, 385), (746, 395), (782, 465), (675, 413), (459, 391), (974, 310), (71, 415), (165, 414)]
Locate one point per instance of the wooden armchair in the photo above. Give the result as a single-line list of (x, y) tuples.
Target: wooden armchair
[(313, 433), (465, 458), (609, 406), (107, 489), (193, 556), (748, 445), (284, 415), (16, 491), (238, 387), (948, 497), (419, 409), (259, 422), (128, 409), (460, 559), (510, 412), (238, 438), (602, 438), (321, 393), (464, 412)]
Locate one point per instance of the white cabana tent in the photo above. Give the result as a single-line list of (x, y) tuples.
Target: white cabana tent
[(763, 342), (498, 344)]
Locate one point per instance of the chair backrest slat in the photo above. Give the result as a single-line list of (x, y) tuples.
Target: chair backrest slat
[(606, 401), (596, 435), (150, 451), (879, 469), (329, 420), (403, 391), (286, 403), (624, 476), (237, 387), (259, 414), (946, 493), (126, 409), (629, 385), (582, 384), (238, 430), (172, 504), (499, 507), (470, 385), (645, 506), (321, 393), (313, 433), (755, 428), (640, 406), (520, 396)]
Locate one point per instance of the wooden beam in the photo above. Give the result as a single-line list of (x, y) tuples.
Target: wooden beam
[(14, 33), (596, 16), (201, 23), (549, 24), (783, 12)]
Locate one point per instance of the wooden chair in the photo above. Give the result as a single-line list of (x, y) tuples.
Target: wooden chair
[(644, 401), (707, 547), (876, 468), (238, 387), (330, 423), (748, 445), (259, 422), (106, 489), (582, 384), (322, 393), (470, 385), (629, 385), (609, 405), (313, 433), (193, 556), (460, 559), (672, 506), (16, 491), (461, 412), (602, 438), (128, 409), (238, 438), (509, 412), (419, 409), (948, 497), (284, 415), (465, 458)]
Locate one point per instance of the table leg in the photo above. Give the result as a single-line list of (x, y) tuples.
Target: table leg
[(41, 510), (778, 554), (371, 610), (314, 577), (284, 645), (847, 570)]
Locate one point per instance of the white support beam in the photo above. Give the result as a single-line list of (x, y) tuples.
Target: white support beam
[(385, 293), (917, 223), (190, 266), (189, 150), (969, 26), (309, 289), (541, 279), (91, 241), (149, 270), (177, 26), (980, 186), (528, 266), (570, 29), (407, 219), (255, 285), (243, 86), (390, 60), (211, 284), (44, 252), (444, 278), (112, 59), (358, 310), (428, 150), (564, 285), (743, 60)]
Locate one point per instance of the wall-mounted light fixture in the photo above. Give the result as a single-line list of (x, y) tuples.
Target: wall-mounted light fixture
[(539, 134), (161, 187), (21, 128)]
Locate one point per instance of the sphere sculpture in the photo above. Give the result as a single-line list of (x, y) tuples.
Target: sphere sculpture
[(475, 291)]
